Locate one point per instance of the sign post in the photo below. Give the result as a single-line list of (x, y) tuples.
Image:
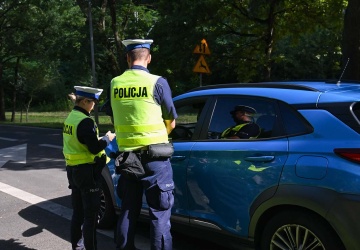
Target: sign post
[(201, 66)]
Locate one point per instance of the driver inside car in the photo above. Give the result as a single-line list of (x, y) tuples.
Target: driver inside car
[(244, 127)]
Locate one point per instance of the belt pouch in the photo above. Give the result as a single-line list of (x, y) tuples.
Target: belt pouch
[(161, 150)]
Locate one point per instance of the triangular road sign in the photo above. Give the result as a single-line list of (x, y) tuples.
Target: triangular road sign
[(203, 48), (201, 66)]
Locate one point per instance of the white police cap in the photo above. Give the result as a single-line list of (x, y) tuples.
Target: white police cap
[(137, 43), (243, 108), (88, 92)]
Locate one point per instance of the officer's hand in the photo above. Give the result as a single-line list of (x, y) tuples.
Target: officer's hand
[(110, 135)]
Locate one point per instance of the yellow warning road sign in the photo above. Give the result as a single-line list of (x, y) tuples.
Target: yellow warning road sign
[(202, 48), (201, 66)]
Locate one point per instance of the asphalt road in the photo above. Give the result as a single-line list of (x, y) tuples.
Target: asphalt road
[(35, 207)]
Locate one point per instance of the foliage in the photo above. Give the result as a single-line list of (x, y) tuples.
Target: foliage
[(46, 36), (249, 40), (350, 42)]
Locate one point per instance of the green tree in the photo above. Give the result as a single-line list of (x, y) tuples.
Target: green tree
[(259, 35), (251, 40), (10, 23), (115, 21), (351, 41), (44, 33)]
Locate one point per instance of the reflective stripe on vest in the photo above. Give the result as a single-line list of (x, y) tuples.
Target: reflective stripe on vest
[(236, 129), (76, 153), (137, 117)]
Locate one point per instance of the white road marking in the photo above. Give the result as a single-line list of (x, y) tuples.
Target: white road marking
[(51, 146), (16, 154), (50, 206), (8, 139), (47, 160)]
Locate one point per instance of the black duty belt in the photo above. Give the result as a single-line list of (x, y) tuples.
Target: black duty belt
[(81, 165), (142, 152)]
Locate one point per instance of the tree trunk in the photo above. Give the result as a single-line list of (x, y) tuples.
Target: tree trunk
[(2, 98), (115, 59), (269, 39), (27, 107), (15, 89), (14, 105), (351, 41)]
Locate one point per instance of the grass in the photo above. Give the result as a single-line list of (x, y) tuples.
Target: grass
[(52, 120)]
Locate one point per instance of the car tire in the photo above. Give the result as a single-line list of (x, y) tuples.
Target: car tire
[(299, 230), (106, 216)]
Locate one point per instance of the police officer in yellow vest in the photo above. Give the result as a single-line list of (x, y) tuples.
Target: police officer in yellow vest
[(144, 114), (244, 128), (85, 158)]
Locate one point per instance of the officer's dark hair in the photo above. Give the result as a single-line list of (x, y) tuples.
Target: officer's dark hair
[(79, 99), (137, 54)]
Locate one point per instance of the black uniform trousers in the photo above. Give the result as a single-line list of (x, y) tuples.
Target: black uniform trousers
[(84, 182)]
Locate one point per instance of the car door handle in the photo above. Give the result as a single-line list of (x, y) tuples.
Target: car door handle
[(178, 157), (264, 158)]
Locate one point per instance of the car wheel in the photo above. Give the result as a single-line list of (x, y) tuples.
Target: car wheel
[(298, 230), (106, 216)]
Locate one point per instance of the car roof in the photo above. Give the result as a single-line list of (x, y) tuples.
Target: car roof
[(293, 92)]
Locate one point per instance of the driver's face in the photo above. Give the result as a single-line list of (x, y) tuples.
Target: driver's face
[(238, 116)]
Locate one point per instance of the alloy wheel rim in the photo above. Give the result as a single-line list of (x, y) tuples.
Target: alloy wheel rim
[(295, 237)]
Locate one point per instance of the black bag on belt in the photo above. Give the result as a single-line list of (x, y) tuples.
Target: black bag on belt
[(161, 150), (129, 165)]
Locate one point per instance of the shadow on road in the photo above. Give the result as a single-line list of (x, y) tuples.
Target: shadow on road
[(58, 226), (12, 244)]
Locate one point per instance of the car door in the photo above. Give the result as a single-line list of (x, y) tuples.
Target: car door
[(187, 127), (225, 176)]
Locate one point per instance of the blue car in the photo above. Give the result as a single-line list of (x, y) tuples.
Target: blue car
[(295, 186)]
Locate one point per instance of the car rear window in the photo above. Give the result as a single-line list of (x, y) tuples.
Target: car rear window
[(348, 113), (293, 122)]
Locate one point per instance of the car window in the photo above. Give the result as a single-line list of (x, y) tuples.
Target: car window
[(265, 115), (294, 123), (189, 112)]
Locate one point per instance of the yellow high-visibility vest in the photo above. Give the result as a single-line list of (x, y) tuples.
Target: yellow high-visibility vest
[(236, 129), (75, 152), (138, 118)]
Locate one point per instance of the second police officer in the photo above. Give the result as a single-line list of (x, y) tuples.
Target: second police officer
[(85, 158), (143, 115)]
